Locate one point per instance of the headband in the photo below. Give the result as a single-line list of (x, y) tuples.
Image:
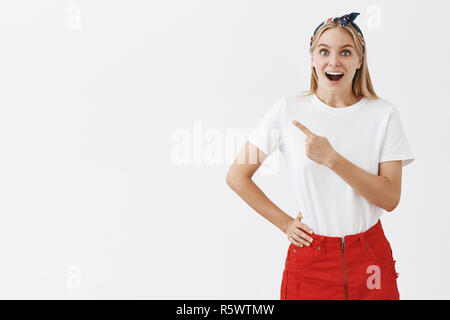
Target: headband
[(344, 20)]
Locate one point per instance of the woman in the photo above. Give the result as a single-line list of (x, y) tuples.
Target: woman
[(345, 148)]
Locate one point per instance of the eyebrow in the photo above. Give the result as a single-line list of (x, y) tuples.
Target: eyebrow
[(345, 45)]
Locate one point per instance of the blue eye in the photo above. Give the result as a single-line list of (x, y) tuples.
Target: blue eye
[(347, 51)]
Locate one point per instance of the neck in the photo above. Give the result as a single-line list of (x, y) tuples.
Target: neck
[(337, 99)]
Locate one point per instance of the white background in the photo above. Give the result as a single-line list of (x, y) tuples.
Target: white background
[(93, 203)]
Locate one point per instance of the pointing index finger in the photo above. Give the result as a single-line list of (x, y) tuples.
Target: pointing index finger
[(302, 127)]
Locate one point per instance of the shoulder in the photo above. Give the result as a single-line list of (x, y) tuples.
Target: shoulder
[(382, 105), (295, 101), (297, 98)]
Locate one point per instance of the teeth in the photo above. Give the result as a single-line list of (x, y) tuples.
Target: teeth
[(334, 73)]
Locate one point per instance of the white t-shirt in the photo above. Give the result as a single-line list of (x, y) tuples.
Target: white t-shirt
[(365, 133)]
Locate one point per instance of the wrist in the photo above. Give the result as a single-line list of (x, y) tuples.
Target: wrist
[(285, 224), (333, 160)]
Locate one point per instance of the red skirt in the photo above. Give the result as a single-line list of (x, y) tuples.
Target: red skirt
[(359, 266)]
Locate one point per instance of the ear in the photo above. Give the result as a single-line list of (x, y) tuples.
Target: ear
[(360, 63)]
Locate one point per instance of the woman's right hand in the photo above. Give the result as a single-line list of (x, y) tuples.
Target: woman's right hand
[(295, 234)]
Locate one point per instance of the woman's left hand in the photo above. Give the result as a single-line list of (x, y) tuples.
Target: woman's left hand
[(317, 148)]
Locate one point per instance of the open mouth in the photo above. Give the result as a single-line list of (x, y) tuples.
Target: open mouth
[(334, 76)]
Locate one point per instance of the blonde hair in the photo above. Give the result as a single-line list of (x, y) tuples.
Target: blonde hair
[(361, 85)]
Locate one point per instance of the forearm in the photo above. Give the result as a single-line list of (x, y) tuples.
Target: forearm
[(255, 198), (376, 189)]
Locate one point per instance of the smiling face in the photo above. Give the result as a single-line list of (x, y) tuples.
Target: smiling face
[(335, 61)]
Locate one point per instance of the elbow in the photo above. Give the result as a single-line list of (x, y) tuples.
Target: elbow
[(391, 207), (234, 181), (231, 181)]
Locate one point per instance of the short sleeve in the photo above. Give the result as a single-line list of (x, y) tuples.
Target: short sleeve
[(395, 145), (267, 134)]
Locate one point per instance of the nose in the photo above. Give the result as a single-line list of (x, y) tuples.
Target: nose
[(334, 60)]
